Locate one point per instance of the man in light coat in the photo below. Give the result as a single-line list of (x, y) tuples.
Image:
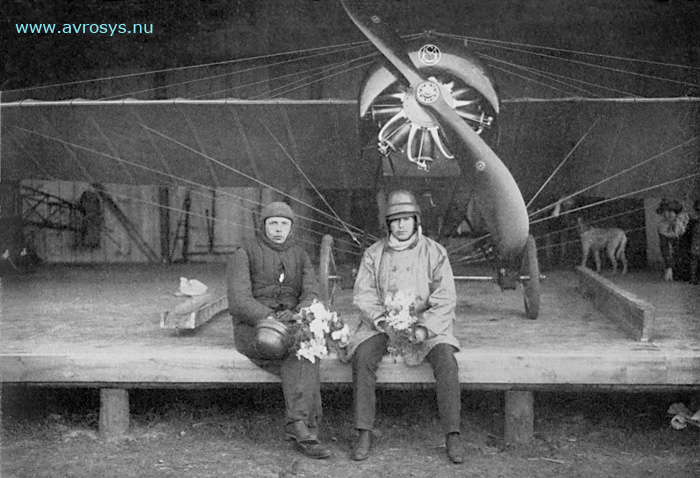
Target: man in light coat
[(406, 261)]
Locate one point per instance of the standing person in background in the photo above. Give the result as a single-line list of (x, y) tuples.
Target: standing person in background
[(407, 261), (695, 244), (271, 279), (671, 227)]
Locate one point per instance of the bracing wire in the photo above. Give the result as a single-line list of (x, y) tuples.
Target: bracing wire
[(561, 164), (69, 145), (499, 44), (339, 47), (619, 173), (301, 171)]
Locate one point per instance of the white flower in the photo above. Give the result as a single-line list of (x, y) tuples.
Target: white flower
[(311, 349), (399, 310), (319, 327), (342, 336), (319, 310)]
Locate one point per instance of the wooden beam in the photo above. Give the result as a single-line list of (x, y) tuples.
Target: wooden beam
[(631, 313), (114, 412), (193, 312), (519, 417), (621, 368), (164, 217), (133, 232)]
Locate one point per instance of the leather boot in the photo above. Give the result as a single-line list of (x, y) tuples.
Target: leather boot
[(306, 442), (455, 449), (299, 432), (317, 451), (362, 446)]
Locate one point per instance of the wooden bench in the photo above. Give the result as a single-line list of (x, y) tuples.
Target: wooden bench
[(100, 328)]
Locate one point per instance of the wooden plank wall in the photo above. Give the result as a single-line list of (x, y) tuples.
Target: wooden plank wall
[(235, 212)]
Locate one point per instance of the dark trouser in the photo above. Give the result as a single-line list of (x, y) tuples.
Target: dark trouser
[(301, 379), (364, 374)]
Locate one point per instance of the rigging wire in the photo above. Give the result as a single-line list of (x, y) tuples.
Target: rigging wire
[(596, 221), (556, 170), (577, 52), (499, 44), (619, 173), (276, 92), (552, 77), (231, 168), (339, 47), (90, 178), (301, 171), (620, 196), (319, 70)]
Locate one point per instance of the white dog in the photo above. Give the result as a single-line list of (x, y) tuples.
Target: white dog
[(613, 240)]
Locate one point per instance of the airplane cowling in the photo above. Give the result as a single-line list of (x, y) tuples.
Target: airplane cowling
[(405, 129), (427, 104), (454, 59)]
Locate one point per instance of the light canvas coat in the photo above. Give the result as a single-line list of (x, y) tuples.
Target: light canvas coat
[(425, 270)]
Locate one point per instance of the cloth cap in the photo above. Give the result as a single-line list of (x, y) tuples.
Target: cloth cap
[(402, 203), (276, 209), (672, 205)]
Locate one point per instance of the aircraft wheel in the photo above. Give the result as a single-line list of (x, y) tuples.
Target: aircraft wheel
[(531, 286), (327, 273)]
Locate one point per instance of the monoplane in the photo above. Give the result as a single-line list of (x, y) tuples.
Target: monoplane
[(431, 101)]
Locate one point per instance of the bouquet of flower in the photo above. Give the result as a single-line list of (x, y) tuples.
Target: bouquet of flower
[(400, 325), (315, 331)]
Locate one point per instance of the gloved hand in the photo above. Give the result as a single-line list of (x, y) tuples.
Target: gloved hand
[(419, 335), (285, 316), (380, 323)]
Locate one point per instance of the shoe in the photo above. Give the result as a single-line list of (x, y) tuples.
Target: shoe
[(317, 451), (455, 449), (300, 433), (305, 441), (363, 446)]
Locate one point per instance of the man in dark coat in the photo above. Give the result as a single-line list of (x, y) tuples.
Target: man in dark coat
[(273, 278)]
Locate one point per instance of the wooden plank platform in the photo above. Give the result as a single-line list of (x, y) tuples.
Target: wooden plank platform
[(100, 327), (83, 325)]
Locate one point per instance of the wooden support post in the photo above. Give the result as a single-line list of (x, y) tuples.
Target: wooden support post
[(519, 416), (324, 267), (164, 216), (114, 412)]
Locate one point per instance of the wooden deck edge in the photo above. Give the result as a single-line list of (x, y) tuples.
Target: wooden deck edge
[(494, 368), (633, 314)]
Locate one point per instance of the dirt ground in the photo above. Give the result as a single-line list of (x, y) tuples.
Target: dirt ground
[(237, 432)]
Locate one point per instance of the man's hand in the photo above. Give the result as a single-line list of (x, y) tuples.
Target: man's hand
[(380, 323), (285, 316), (419, 335)]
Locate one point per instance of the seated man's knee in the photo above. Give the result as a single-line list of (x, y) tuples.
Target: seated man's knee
[(369, 353), (442, 355)]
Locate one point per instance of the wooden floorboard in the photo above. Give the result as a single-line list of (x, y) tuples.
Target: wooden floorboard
[(101, 325)]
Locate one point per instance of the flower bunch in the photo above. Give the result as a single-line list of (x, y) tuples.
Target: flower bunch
[(400, 324), (315, 331)]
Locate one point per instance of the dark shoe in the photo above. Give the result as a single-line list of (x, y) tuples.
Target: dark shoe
[(455, 449), (363, 446), (313, 450), (299, 432)]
